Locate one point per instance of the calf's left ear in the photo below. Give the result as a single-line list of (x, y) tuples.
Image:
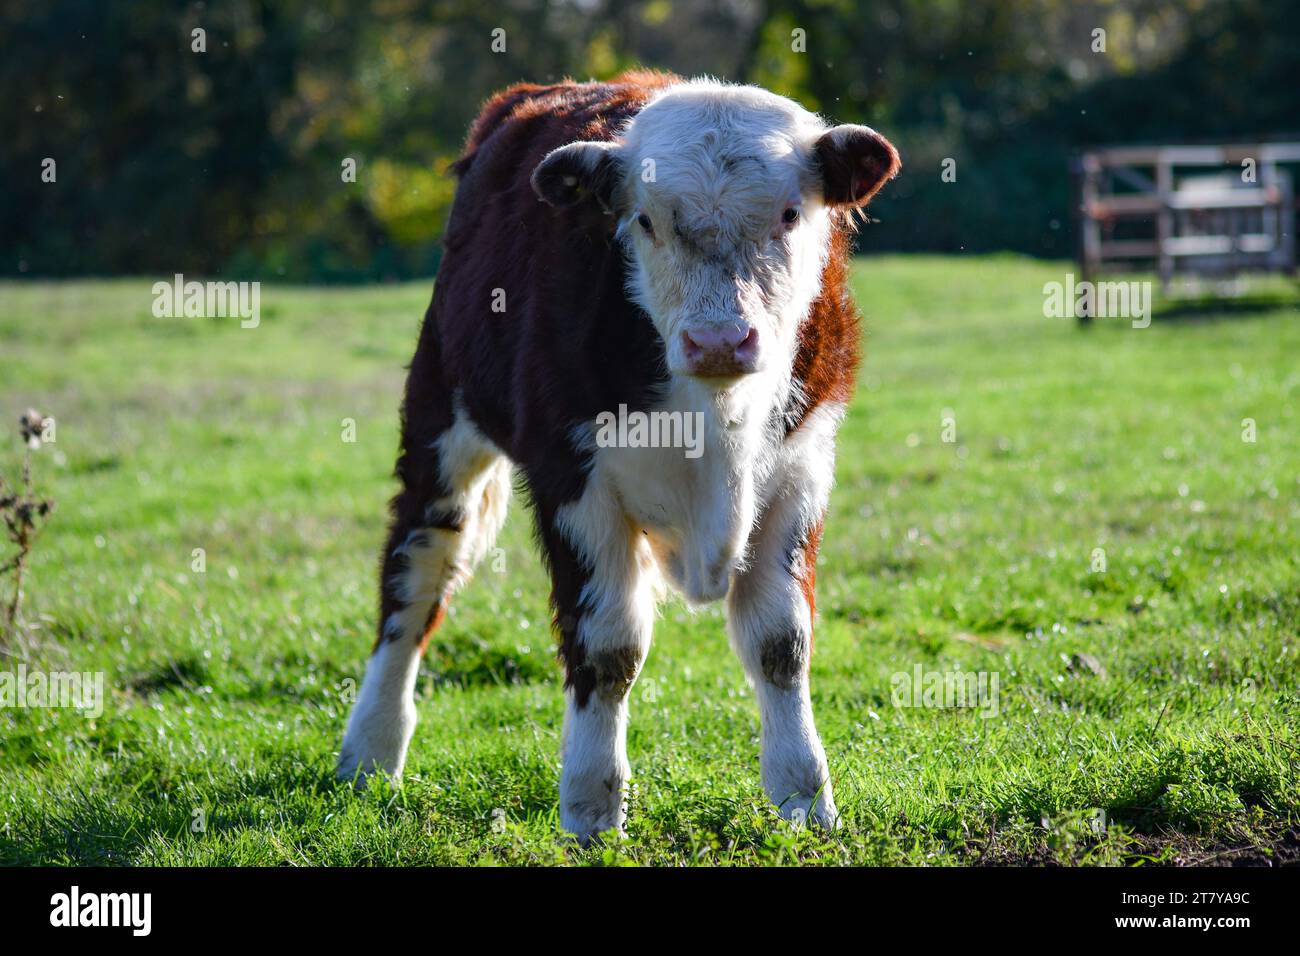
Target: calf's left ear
[(855, 162), (579, 171)]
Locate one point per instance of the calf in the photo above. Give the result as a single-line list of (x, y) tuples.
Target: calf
[(688, 257)]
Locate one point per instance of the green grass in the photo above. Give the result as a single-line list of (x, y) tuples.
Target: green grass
[(225, 691)]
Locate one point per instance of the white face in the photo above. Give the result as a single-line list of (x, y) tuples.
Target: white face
[(722, 216)]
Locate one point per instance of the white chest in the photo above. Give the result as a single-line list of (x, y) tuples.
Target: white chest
[(685, 475)]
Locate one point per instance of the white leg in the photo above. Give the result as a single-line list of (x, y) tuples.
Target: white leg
[(460, 510), (772, 633), (769, 617), (383, 717), (594, 781), (607, 636)]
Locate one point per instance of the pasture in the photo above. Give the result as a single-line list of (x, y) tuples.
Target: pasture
[(1099, 535)]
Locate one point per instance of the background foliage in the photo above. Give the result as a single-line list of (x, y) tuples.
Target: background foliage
[(228, 162)]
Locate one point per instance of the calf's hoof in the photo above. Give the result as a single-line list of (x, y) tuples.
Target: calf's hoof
[(817, 811), (585, 821)]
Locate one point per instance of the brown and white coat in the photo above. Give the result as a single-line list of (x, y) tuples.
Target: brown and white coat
[(689, 256)]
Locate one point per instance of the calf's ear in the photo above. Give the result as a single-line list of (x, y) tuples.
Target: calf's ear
[(855, 162), (576, 172)]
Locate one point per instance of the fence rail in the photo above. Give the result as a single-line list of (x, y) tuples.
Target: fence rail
[(1204, 210)]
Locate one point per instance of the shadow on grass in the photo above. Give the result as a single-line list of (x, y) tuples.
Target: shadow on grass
[(1216, 309)]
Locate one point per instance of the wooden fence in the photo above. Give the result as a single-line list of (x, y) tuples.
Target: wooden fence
[(1202, 210)]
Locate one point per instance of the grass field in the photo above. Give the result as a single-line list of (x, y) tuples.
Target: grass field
[(1163, 691)]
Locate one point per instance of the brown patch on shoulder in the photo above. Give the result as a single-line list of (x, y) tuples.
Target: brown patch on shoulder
[(826, 361)]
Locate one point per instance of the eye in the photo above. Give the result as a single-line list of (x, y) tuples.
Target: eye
[(790, 216), (644, 222)]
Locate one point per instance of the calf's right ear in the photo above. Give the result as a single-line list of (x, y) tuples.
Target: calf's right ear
[(855, 162), (579, 171)]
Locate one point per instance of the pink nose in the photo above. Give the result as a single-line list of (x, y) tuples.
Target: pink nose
[(716, 351)]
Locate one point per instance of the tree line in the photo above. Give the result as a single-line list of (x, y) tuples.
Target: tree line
[(309, 140)]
